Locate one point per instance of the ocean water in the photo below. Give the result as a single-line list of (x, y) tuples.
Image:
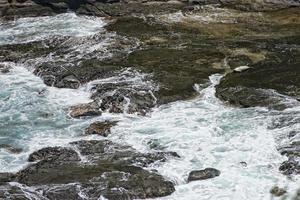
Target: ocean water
[(204, 131)]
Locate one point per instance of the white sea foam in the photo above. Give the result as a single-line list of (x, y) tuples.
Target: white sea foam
[(203, 131), (206, 133), (38, 28), (33, 115)]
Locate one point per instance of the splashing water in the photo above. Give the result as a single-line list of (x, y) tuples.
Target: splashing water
[(206, 133), (39, 28), (203, 131)]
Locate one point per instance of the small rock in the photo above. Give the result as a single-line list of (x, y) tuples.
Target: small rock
[(4, 68), (207, 173), (69, 82), (277, 191), (244, 164), (241, 69), (10, 148), (83, 110), (100, 128)]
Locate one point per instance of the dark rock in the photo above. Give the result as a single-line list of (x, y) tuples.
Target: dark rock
[(107, 169), (100, 128), (260, 5), (85, 110), (240, 60), (243, 163), (11, 148), (69, 82), (291, 166), (207, 173), (277, 191), (6, 177), (54, 153), (250, 97), (265, 83), (4, 68), (16, 192)]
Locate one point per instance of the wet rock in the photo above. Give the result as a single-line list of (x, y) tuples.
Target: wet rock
[(207, 173), (4, 68), (105, 168), (277, 191), (6, 177), (11, 148), (103, 8), (17, 192), (100, 128), (264, 84), (250, 97), (54, 153), (260, 5), (64, 191), (243, 163), (84, 110), (69, 82), (25, 9), (291, 166), (240, 60)]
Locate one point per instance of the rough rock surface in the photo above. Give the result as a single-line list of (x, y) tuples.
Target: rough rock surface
[(278, 72), (100, 128), (260, 5), (85, 110), (206, 173), (93, 168)]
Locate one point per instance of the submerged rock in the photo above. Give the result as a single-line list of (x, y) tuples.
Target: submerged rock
[(100, 128), (11, 148), (277, 191), (4, 68), (206, 173), (85, 110)]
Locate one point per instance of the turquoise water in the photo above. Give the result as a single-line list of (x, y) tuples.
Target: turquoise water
[(33, 115)]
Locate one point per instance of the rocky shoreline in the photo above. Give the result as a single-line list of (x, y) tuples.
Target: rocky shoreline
[(168, 46)]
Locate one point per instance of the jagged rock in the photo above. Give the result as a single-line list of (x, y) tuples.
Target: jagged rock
[(206, 173), (54, 153), (291, 166), (100, 128), (103, 168)]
